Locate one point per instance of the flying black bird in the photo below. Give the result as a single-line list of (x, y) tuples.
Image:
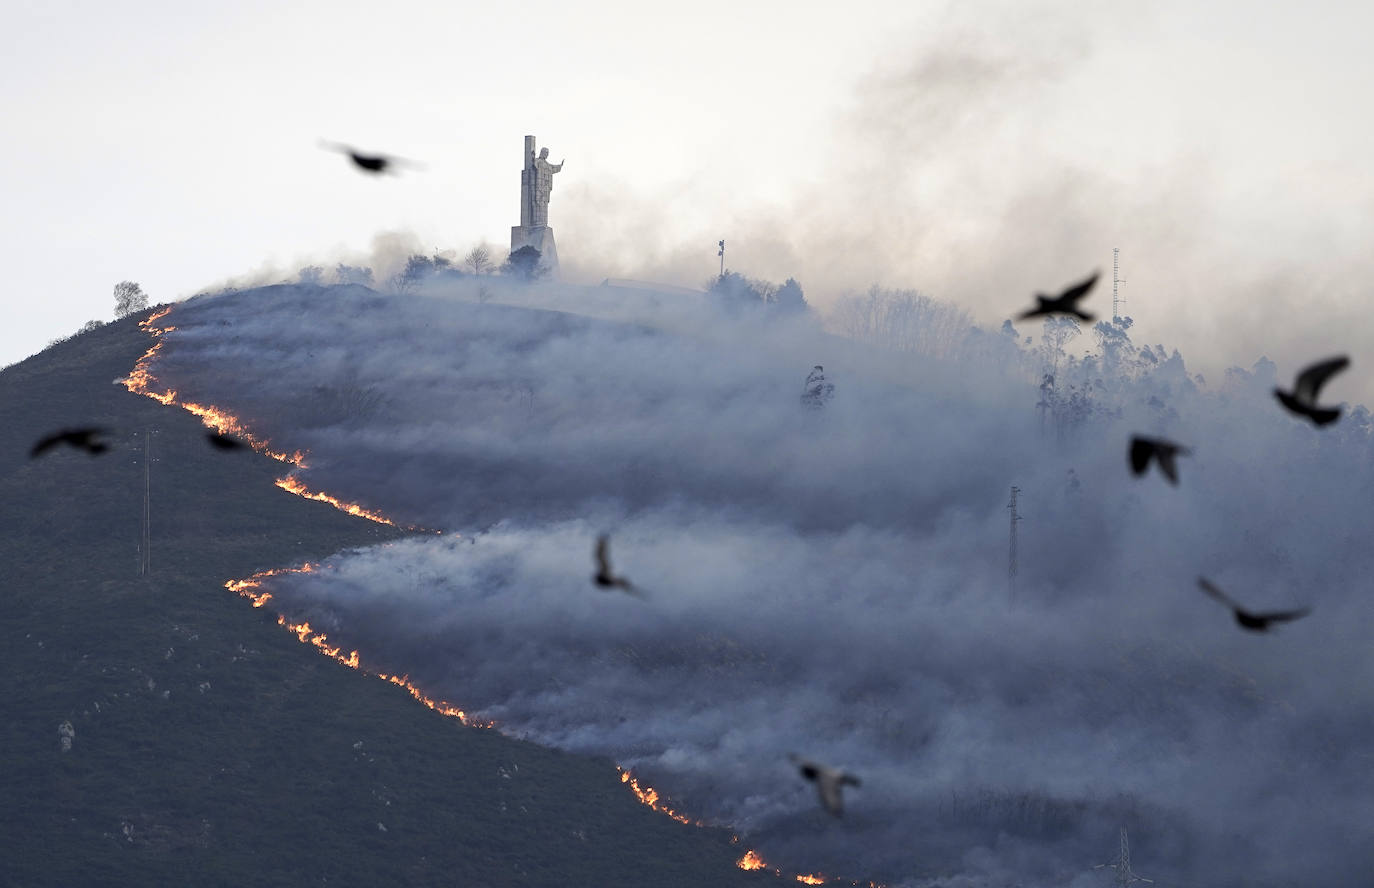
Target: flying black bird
[(222, 441), (1163, 452), (1064, 303), (370, 163), (1252, 621), (828, 782), (1303, 399), (603, 576), (81, 439)]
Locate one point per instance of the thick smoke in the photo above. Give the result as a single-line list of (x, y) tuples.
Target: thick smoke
[(1004, 138), (834, 581)]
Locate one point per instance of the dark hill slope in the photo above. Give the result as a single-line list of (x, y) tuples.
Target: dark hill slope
[(210, 746)]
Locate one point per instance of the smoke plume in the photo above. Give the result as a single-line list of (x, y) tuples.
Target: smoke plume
[(834, 581)]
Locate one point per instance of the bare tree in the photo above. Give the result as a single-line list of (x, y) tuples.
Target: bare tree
[(1057, 332), (129, 298), (903, 321), (352, 274), (478, 259)]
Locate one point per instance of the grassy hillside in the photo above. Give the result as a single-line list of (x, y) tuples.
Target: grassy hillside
[(210, 746)]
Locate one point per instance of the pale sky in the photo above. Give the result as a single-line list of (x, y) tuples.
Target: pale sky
[(978, 151)]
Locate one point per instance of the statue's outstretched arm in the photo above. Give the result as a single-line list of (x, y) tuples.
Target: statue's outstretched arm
[(559, 167)]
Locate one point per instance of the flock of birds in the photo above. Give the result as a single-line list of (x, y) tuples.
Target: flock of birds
[(1302, 401)]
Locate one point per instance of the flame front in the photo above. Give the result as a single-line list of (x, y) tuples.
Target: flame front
[(649, 796), (250, 588), (293, 485), (140, 381)]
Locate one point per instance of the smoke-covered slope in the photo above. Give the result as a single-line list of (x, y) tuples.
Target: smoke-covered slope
[(209, 746), (834, 582)]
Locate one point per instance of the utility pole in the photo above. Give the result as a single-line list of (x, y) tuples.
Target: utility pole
[(1011, 551), (145, 564), (1122, 865), (1117, 281), (721, 254)]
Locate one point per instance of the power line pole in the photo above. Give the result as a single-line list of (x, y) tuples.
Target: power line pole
[(145, 563), (1122, 865), (721, 254), (1117, 281), (1011, 551)]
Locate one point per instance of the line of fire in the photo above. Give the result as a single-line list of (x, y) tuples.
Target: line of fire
[(140, 381)]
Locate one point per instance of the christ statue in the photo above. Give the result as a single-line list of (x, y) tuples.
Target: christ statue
[(540, 173)]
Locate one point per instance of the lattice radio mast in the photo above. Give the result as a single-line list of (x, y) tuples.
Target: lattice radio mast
[(1011, 550), (1117, 281), (1122, 865)]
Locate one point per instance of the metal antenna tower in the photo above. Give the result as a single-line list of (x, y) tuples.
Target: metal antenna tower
[(721, 254), (1117, 281), (1011, 551), (1122, 865)]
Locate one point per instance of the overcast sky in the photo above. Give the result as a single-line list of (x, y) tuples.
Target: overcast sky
[(978, 151)]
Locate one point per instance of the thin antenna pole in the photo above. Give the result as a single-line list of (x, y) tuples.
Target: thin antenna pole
[(1011, 550), (145, 562), (721, 254)]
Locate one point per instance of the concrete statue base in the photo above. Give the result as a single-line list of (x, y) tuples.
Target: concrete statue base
[(541, 238)]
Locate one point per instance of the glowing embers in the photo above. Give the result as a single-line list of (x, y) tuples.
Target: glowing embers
[(250, 588), (752, 861)]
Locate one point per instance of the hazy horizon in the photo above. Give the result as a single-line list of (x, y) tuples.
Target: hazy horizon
[(977, 152)]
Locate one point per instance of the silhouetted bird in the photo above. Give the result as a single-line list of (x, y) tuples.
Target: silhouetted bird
[(828, 782), (1163, 452), (1064, 303), (1303, 399), (603, 576), (224, 442), (81, 439), (1248, 620), (371, 163)]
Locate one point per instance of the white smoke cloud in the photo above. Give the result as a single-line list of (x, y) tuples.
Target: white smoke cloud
[(834, 582)]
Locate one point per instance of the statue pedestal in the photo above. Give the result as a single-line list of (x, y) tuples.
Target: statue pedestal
[(541, 238)]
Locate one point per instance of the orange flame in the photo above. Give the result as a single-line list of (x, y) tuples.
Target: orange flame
[(750, 861), (811, 880), (649, 796), (293, 485), (307, 635)]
